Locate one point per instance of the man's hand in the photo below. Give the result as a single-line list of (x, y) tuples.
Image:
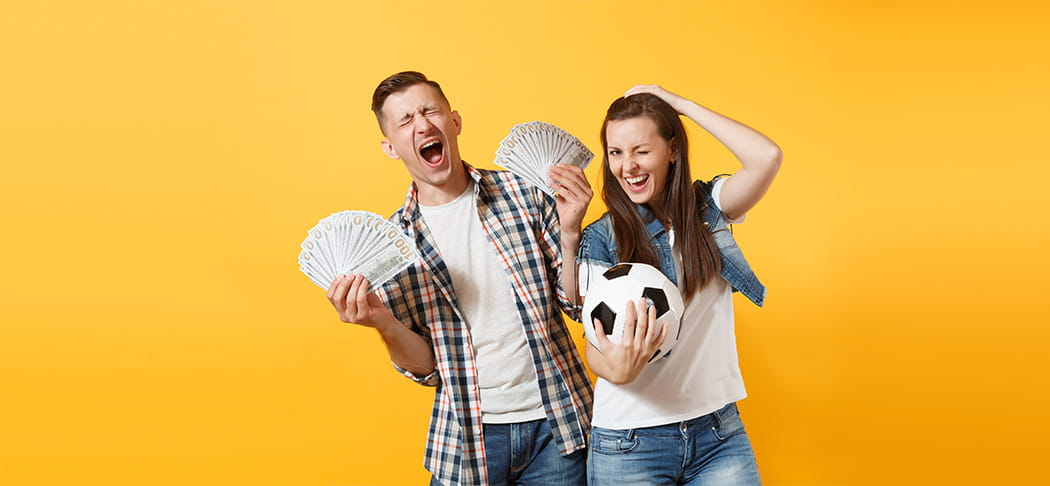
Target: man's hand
[(574, 195), (626, 359), (355, 304)]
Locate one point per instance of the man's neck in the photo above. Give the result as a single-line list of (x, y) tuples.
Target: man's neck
[(430, 195)]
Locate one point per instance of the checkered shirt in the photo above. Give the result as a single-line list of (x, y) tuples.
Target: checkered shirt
[(522, 222)]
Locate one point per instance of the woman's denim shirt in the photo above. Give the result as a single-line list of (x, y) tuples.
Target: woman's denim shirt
[(598, 246)]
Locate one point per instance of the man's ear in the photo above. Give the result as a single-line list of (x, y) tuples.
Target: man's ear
[(457, 121), (388, 149)]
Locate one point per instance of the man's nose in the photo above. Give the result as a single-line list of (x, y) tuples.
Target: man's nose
[(421, 124)]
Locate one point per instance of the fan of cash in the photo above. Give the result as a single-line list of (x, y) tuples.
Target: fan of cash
[(355, 242), (531, 148)]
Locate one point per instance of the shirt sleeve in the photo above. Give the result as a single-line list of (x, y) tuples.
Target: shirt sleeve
[(716, 194), (428, 380), (550, 245), (390, 294)]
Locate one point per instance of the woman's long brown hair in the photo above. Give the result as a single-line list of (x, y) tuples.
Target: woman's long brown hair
[(678, 204)]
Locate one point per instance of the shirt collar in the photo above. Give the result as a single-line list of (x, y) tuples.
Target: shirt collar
[(411, 203)]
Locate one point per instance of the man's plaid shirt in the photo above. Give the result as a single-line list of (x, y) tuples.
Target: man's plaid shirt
[(522, 222)]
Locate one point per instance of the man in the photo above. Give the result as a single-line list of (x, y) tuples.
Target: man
[(478, 315)]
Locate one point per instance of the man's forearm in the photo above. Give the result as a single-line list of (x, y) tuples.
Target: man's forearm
[(570, 244), (407, 349)]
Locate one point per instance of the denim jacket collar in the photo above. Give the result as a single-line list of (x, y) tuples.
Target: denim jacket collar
[(653, 226), (598, 245)]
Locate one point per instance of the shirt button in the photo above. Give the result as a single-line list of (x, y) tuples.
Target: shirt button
[(477, 430)]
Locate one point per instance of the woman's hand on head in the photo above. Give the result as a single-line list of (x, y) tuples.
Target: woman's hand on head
[(672, 99)]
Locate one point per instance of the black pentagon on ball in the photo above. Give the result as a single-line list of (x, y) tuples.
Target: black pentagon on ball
[(604, 314), (617, 271), (657, 298)]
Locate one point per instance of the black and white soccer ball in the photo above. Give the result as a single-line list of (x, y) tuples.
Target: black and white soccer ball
[(608, 295)]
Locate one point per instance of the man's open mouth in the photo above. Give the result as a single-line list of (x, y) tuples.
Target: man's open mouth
[(432, 152)]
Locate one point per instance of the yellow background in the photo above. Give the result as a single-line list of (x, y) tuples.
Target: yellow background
[(162, 161)]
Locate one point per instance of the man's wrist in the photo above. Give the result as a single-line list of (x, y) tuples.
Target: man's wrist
[(386, 325)]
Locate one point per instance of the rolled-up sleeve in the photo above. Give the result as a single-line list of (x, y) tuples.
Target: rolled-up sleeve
[(390, 294)]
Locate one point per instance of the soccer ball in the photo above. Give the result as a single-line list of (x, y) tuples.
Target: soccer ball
[(608, 295)]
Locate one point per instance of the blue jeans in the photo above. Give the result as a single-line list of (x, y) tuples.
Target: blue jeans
[(709, 450), (527, 453)]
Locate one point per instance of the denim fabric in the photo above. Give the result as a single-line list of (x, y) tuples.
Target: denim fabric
[(526, 453), (598, 245), (709, 450)]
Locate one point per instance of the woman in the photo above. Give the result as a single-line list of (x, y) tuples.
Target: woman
[(673, 420)]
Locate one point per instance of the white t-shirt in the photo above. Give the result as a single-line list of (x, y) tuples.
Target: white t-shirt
[(700, 376), (506, 375)]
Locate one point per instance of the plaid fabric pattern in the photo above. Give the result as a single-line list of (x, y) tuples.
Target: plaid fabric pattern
[(522, 222)]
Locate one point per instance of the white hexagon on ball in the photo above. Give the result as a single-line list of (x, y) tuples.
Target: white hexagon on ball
[(608, 295)]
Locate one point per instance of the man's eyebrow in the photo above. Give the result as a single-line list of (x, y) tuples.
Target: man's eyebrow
[(424, 109)]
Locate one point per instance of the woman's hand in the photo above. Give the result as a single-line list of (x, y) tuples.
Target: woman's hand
[(676, 102), (623, 361), (759, 157)]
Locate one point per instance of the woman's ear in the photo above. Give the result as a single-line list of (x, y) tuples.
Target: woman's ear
[(674, 150)]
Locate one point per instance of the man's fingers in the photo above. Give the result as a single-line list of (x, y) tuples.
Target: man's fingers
[(577, 190), (338, 292), (353, 297), (333, 289), (332, 286), (569, 177)]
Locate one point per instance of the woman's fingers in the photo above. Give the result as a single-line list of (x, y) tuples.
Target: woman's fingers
[(630, 324), (599, 334)]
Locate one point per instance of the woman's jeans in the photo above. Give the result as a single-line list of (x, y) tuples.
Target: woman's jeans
[(709, 450)]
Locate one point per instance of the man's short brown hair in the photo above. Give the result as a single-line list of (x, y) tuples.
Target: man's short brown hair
[(400, 82)]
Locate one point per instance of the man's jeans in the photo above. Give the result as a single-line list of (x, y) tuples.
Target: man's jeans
[(527, 454), (709, 450)]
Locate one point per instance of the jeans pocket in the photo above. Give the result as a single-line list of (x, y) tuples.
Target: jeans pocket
[(613, 441)]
